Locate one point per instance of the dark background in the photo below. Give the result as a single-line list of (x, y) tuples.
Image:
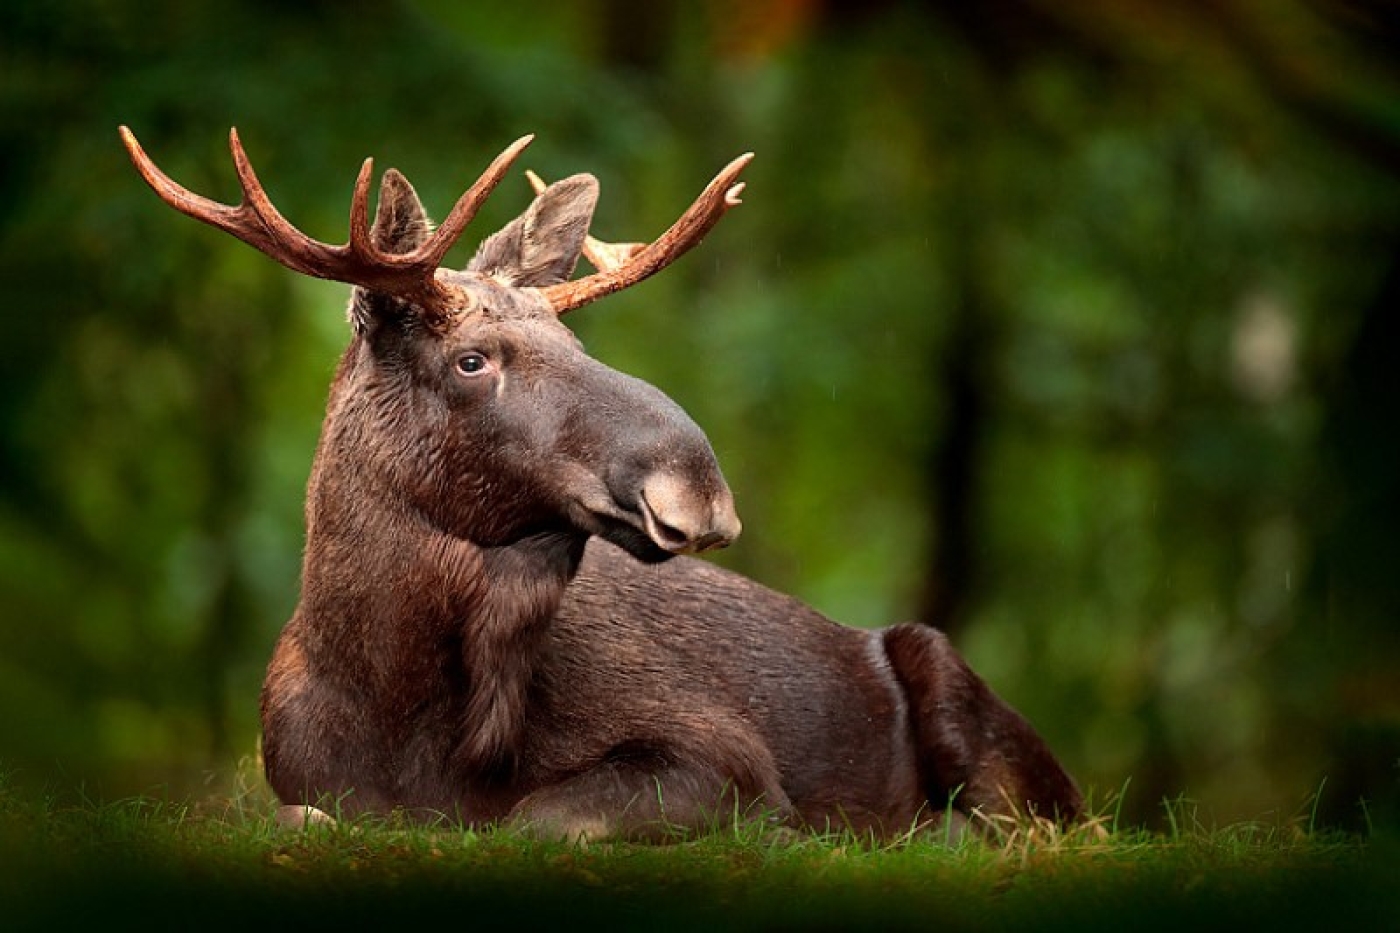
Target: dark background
[(1070, 328)]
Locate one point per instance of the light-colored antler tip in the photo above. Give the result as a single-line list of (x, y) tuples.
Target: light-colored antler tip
[(133, 148), (731, 171), (536, 182)]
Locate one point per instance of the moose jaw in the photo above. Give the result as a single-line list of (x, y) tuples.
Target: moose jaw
[(498, 619)]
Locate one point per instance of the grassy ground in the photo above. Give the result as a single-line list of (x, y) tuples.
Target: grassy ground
[(151, 865)]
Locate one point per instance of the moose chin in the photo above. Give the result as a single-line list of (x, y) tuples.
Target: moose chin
[(500, 619)]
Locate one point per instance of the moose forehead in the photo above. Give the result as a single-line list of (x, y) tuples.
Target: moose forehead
[(492, 299), (487, 299), (488, 309)]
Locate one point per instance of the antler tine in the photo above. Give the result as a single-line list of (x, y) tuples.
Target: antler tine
[(467, 205), (718, 197), (289, 245), (225, 217), (360, 243)]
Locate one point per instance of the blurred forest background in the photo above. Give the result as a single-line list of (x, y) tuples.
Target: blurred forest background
[(1070, 328)]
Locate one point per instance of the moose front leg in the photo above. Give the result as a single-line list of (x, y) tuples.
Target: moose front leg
[(647, 800), (969, 741)]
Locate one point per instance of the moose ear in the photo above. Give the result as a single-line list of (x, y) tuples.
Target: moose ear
[(400, 226), (400, 223), (542, 245)]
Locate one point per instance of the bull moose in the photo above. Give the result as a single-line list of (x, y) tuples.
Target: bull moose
[(499, 618)]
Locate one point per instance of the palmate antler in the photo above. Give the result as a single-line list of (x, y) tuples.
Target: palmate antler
[(413, 276)]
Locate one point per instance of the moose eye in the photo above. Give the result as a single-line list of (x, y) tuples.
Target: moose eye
[(470, 364)]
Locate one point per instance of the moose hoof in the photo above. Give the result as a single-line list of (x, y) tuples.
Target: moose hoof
[(298, 816)]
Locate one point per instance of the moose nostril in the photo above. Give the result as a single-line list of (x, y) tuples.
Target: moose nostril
[(670, 534), (711, 541)]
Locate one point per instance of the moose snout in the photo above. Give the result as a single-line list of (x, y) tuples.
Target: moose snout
[(658, 470), (682, 519)]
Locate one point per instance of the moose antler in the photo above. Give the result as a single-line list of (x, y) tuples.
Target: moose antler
[(621, 265), (255, 221)]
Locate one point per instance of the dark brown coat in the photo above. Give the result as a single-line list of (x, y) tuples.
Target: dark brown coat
[(494, 624)]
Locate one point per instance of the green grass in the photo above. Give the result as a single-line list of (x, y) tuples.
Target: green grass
[(149, 864)]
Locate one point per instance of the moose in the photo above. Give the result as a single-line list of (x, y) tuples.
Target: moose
[(500, 618)]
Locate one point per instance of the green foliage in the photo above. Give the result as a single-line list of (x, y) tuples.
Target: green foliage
[(1067, 332), (143, 863)]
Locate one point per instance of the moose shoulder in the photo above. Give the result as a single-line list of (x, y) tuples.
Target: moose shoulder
[(498, 617)]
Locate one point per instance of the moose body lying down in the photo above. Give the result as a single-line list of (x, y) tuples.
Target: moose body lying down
[(494, 622)]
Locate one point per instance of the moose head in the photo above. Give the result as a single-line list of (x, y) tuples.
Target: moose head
[(470, 398)]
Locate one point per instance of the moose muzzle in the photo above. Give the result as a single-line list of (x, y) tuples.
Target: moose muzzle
[(681, 518)]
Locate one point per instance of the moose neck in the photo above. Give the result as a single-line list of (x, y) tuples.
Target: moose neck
[(433, 615)]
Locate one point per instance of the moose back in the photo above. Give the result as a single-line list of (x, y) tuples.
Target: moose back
[(499, 619)]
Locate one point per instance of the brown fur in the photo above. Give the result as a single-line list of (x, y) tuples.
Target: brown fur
[(492, 625)]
